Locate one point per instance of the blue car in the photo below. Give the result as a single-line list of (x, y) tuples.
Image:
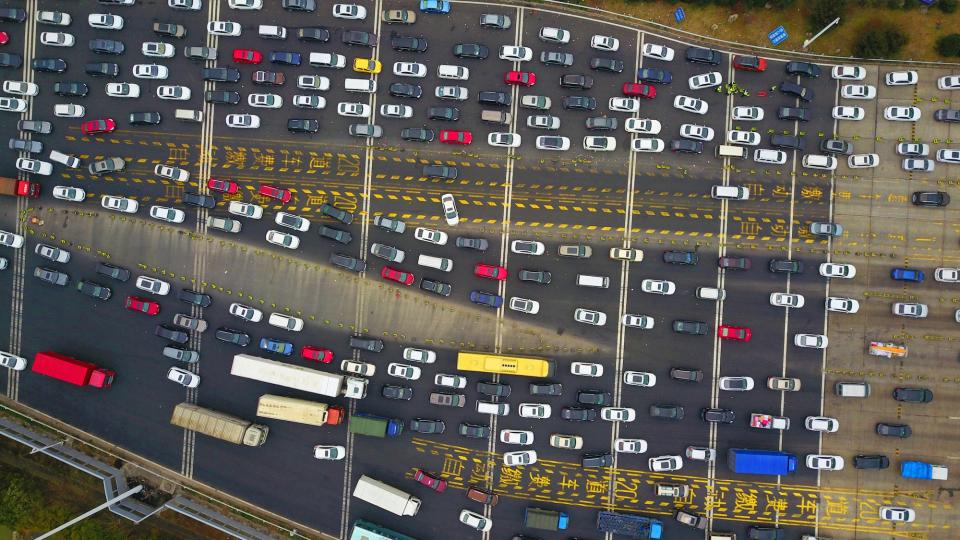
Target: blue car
[(907, 274), (486, 299), (285, 58), (435, 6), (656, 76), (276, 346)]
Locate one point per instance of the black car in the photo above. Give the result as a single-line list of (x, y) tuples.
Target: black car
[(406, 90), (686, 374), (876, 461), (96, 290), (303, 125), (473, 431), (441, 171), (14, 15), (947, 115), (490, 97), (338, 214), (416, 134), (717, 416), (236, 337), (221, 74), (118, 273), (41, 127), (804, 69), (545, 389), (788, 141), (345, 261), (366, 344), (578, 414), (763, 532), (317, 34), (391, 391), (681, 257), (144, 118), (575, 80), (106, 46), (268, 78), (102, 69), (656, 76), (447, 114), (686, 146), (49, 65), (795, 90), (894, 430), (195, 199), (495, 389), (930, 198), (70, 89), (699, 55), (693, 328), (169, 29), (358, 37), (667, 412), (556, 58), (579, 103), (913, 395), (836, 146), (171, 334), (337, 235), (594, 397), (424, 425), (542, 277), (194, 297), (471, 50), (299, 5), (436, 287), (12, 60), (24, 145), (601, 123), (785, 266), (222, 97), (799, 114), (596, 460), (479, 244), (408, 43), (607, 64)]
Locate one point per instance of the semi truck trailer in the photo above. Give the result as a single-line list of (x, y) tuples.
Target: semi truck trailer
[(219, 425), (69, 369), (300, 411), (298, 377)]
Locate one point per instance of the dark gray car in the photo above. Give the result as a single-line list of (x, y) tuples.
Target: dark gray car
[(667, 412), (601, 123), (556, 58), (345, 261), (836, 146), (342, 216), (441, 171), (337, 235), (436, 287), (700, 55), (693, 328), (787, 141), (51, 276), (479, 244), (24, 145), (366, 344)]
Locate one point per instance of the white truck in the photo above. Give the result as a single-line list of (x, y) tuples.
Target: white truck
[(298, 377), (387, 497), (766, 421), (220, 425)]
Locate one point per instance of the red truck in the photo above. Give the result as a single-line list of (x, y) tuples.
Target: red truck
[(19, 188), (71, 370)]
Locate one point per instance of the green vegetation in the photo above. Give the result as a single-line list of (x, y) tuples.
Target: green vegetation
[(823, 12), (879, 39), (949, 45), (947, 6)]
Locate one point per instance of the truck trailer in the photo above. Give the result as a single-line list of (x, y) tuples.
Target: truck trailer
[(298, 377), (387, 497), (300, 411), (772, 462), (548, 520), (19, 188), (630, 525), (69, 369), (923, 470), (374, 426), (219, 425)]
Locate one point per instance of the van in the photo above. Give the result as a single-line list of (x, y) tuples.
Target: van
[(853, 389), (722, 536), (454, 73), (488, 407), (711, 293), (819, 161), (440, 263), (495, 117), (772, 157), (585, 280), (269, 31), (366, 86), (327, 60), (65, 159), (736, 193), (672, 490), (188, 115), (729, 150)]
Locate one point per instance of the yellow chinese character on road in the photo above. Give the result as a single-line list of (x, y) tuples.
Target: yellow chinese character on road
[(510, 477), (837, 509), (567, 483), (749, 228), (892, 197), (235, 157), (811, 192), (744, 503), (291, 160), (317, 162), (596, 486), (539, 480), (263, 159), (781, 191), (480, 472), (178, 154), (775, 505), (451, 467)]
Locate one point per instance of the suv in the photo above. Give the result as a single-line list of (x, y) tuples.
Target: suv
[(348, 262), (495, 389), (699, 55), (221, 74), (693, 328), (366, 344), (342, 216), (681, 257), (542, 277), (545, 389), (913, 395), (788, 141), (785, 266), (686, 374), (489, 97), (596, 460), (871, 462)]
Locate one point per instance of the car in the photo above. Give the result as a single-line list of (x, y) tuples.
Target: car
[(556, 58), (804, 69), (516, 436), (390, 391), (824, 462), (852, 73), (696, 132), (763, 532), (610, 65), (51, 276), (836, 146), (358, 37), (268, 78), (247, 313), (644, 322), (819, 228), (783, 384), (823, 424), (105, 21), (686, 146), (243, 209), (471, 50), (630, 446), (527, 247), (802, 114), (364, 369), (749, 63), (276, 346), (552, 142), (623, 104), (70, 89), (408, 43), (409, 69), (158, 49), (871, 462), (41, 127), (618, 414), (66, 193), (450, 136), (521, 78), (843, 112), (645, 91), (947, 115), (593, 460), (902, 114), (639, 378), (594, 397), (235, 337), (388, 253), (790, 142), (835, 270), (347, 262), (398, 16), (910, 309), (930, 198), (656, 76), (948, 155), (11, 240), (658, 52), (897, 513), (705, 80), (46, 65), (283, 239), (813, 341), (700, 453), (858, 91), (35, 166), (102, 125), (658, 286), (542, 121), (164, 213), (900, 78), (686, 374), (541, 277), (785, 266), (222, 97), (489, 271), (589, 316), (693, 328), (730, 262), (399, 276), (194, 297), (403, 371), (142, 305), (417, 134), (183, 377), (665, 463), (119, 204), (195, 199), (947, 275), (578, 414), (472, 519), (586, 369), (733, 333), (487, 299), (542, 103), (667, 412), (178, 93), (735, 383), (689, 104), (700, 55)]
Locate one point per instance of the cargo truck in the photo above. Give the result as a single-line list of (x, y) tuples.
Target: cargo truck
[(374, 426), (923, 471), (772, 462), (766, 421), (299, 410), (631, 525), (219, 425), (548, 520), (71, 370), (19, 188), (298, 377), (387, 497)]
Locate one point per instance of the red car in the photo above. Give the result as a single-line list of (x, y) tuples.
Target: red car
[(490, 271), (223, 186), (430, 480), (639, 90), (399, 276), (317, 354), (102, 125), (4, 38), (735, 333), (523, 78), (144, 306), (247, 56), (279, 194), (749, 63), (451, 136)]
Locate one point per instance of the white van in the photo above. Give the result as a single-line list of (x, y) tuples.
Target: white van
[(65, 159), (440, 263), (499, 409), (729, 150), (586, 280), (737, 193), (327, 60), (853, 389), (366, 86), (819, 161), (454, 73), (269, 31), (768, 155), (188, 115), (711, 293)]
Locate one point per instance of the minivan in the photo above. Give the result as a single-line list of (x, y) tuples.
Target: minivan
[(495, 117), (455, 73), (819, 161), (188, 115), (440, 263), (487, 407), (772, 157), (853, 389), (729, 150), (328, 60), (65, 159), (366, 86), (711, 293), (269, 31), (737, 193), (585, 280)]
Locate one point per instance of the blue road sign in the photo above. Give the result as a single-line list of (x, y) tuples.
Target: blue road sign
[(778, 35), (679, 14)]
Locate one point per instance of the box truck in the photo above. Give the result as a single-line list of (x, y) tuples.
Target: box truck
[(772, 462), (219, 425), (923, 471), (548, 520), (19, 188), (299, 410), (374, 426), (298, 377), (387, 497), (630, 525), (71, 370)]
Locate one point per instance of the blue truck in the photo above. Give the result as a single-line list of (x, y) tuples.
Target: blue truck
[(771, 462), (923, 471), (632, 525)]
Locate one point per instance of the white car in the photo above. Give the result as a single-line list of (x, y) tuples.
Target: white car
[(453, 93), (188, 5), (105, 21), (625, 254), (811, 341), (165, 213), (475, 520), (911, 309), (947, 275), (590, 316), (286, 322), (605, 43), (52, 253), (12, 104), (243, 121), (515, 54), (184, 377), (524, 305), (599, 143), (736, 383), (34, 166), (658, 286), (824, 462), (178, 93), (392, 110), (62, 110), (223, 28), (521, 457), (665, 463), (123, 90), (696, 132), (639, 378), (451, 381), (689, 104), (158, 49), (54, 18), (321, 451), (949, 82), (918, 165), (532, 101), (358, 110), (67, 193), (586, 369), (913, 149), (403, 371), (858, 91), (172, 173), (265, 101), (57, 39), (747, 114), (897, 513), (328, 60), (431, 236), (863, 161), (424, 356), (453, 72), (705, 80), (786, 300), (902, 114), (630, 446), (843, 112), (450, 212), (313, 82), (503, 139), (749, 138), (849, 73), (624, 104), (823, 424), (409, 69), (659, 52), (554, 35), (247, 313), (901, 78), (618, 414), (700, 453), (152, 285), (364, 369), (11, 361), (292, 221), (283, 239), (644, 322), (349, 11), (150, 71), (535, 410), (543, 121), (11, 240), (245, 4), (119, 204), (305, 101), (948, 155), (516, 436), (643, 126), (842, 305), (243, 209), (836, 270)]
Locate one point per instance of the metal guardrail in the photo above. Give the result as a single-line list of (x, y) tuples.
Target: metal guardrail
[(212, 518)]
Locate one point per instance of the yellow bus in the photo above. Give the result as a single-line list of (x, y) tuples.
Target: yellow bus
[(505, 365)]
